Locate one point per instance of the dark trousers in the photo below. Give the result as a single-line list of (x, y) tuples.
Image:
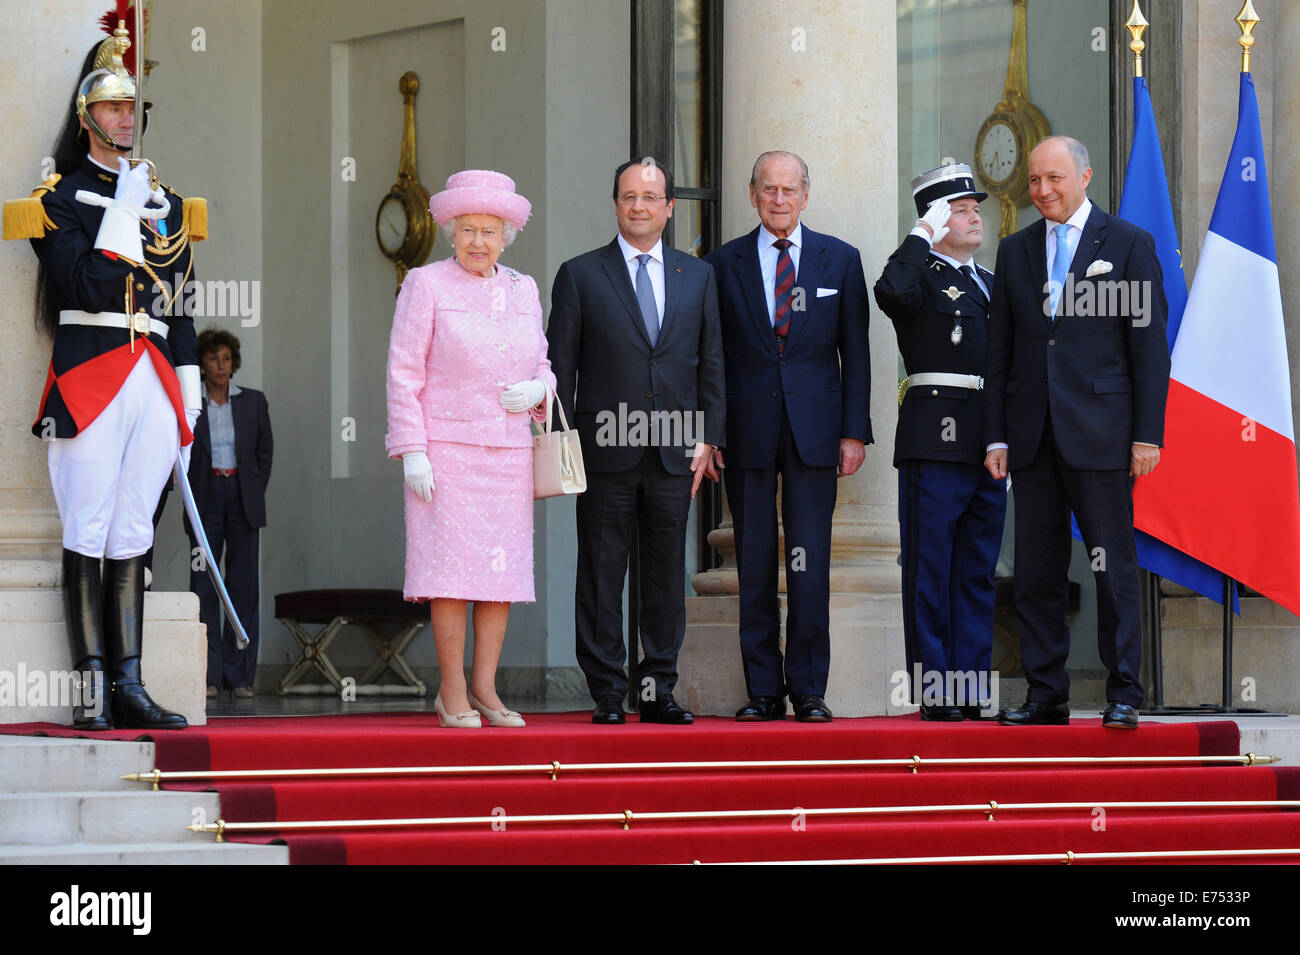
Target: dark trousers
[(656, 503), (228, 531), (950, 518), (1102, 502), (807, 507)]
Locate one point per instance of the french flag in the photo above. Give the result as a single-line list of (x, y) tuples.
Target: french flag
[(1225, 491)]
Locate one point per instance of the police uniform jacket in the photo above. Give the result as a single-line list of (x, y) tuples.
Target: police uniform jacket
[(926, 298), (90, 363)]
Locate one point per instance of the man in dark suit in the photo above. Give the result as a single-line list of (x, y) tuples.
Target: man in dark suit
[(794, 330), (634, 342), (950, 510), (229, 471), (1078, 373)]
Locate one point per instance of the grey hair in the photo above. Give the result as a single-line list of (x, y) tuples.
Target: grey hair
[(1077, 150), (778, 153), (509, 231)]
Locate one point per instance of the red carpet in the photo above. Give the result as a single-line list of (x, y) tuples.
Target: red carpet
[(413, 739)]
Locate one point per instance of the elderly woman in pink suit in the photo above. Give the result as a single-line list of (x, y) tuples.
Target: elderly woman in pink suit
[(467, 368)]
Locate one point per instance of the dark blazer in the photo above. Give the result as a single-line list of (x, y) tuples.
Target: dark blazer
[(606, 371), (1102, 372), (252, 454), (926, 298), (825, 371)]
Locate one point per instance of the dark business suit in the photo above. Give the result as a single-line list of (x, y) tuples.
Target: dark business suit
[(1069, 397), (786, 414), (608, 378), (233, 508), (950, 509)]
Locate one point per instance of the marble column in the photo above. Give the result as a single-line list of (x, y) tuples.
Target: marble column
[(820, 81)]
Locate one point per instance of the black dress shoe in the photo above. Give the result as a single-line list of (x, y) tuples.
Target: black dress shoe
[(760, 709), (1120, 716), (811, 709), (609, 710), (665, 709), (1036, 714), (941, 713), (977, 712)]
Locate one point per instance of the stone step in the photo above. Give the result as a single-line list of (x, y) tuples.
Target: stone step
[(146, 853), (59, 818), (43, 764)]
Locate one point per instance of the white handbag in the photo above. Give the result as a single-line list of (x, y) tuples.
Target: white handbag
[(557, 458)]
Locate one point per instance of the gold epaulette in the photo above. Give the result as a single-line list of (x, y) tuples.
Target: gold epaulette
[(26, 218), (195, 219)]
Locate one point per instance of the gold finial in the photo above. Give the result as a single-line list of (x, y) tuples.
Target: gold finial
[(1246, 19), (1136, 25)]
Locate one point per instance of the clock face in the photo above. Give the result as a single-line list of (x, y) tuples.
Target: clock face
[(391, 225), (998, 153)]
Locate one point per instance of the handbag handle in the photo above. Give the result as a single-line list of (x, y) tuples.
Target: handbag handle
[(551, 399)]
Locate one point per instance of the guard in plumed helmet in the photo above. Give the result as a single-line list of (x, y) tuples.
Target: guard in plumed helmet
[(122, 392), (950, 511)]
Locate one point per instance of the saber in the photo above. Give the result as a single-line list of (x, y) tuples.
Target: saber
[(137, 138), (196, 522)]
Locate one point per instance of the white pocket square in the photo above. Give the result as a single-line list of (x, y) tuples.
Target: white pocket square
[(823, 292), (1100, 267)]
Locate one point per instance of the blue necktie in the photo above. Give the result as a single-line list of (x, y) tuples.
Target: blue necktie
[(645, 297), (1060, 264)]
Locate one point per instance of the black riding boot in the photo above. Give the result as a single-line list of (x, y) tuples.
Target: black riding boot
[(124, 628), (81, 610)]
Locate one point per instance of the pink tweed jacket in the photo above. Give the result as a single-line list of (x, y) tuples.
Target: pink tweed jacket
[(458, 341)]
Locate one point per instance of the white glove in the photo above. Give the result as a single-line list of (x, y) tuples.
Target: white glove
[(522, 395), (418, 473), (191, 419), (132, 184), (936, 217)]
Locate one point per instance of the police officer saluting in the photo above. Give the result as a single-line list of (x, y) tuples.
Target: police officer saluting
[(950, 511)]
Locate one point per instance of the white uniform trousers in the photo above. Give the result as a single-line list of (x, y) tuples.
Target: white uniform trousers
[(107, 480)]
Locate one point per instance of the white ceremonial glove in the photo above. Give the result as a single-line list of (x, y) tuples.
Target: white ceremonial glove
[(191, 419), (418, 473), (936, 217), (132, 185), (522, 395)]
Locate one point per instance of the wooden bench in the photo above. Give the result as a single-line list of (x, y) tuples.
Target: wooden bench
[(332, 610)]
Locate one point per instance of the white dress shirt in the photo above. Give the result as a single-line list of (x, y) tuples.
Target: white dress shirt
[(767, 256), (221, 430), (654, 268), (1076, 223)]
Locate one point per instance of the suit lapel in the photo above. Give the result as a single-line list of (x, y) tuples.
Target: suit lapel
[(1094, 233), (616, 270), (672, 289), (812, 263), (751, 286)]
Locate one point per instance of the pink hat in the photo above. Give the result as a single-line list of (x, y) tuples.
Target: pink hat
[(480, 191)]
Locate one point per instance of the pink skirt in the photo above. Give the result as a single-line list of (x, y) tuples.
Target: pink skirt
[(475, 540)]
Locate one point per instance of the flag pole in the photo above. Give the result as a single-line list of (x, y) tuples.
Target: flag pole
[(1136, 25)]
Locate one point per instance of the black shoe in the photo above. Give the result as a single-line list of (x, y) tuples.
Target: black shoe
[(83, 613), (760, 709), (664, 709), (1119, 716), (1036, 714), (941, 713), (811, 709), (609, 710), (978, 712), (124, 634)]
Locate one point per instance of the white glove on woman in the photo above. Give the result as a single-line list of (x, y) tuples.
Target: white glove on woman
[(936, 217), (522, 395), (418, 473)]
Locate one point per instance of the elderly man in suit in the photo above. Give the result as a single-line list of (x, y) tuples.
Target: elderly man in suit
[(634, 342), (950, 510), (794, 330), (1078, 373)]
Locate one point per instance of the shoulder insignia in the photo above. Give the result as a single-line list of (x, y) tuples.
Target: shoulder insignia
[(937, 265), (26, 218), (195, 218)]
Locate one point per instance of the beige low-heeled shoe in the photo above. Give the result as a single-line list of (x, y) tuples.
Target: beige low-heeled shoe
[(501, 717), (469, 720)]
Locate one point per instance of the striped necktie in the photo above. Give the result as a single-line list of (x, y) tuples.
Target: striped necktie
[(783, 293)]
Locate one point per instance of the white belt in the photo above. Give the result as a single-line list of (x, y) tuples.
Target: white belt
[(931, 378), (142, 324)]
